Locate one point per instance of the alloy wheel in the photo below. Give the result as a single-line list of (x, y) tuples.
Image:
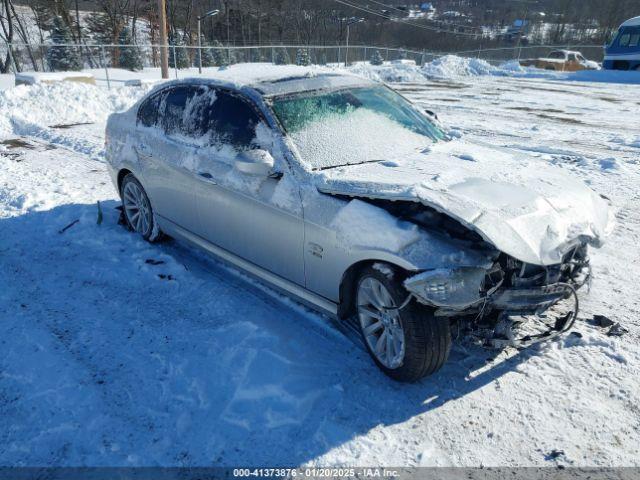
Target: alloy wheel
[(136, 207), (381, 328)]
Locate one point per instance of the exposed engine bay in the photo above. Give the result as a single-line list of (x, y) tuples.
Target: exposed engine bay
[(511, 304)]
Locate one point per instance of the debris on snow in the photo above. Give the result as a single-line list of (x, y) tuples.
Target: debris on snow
[(603, 321), (100, 215), (69, 226), (151, 261), (554, 454), (617, 330)]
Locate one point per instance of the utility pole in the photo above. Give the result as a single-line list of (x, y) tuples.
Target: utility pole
[(164, 54), (350, 21), (227, 11)]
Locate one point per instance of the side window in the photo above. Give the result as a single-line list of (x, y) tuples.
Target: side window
[(232, 120), (634, 40), (148, 111), (624, 40), (572, 57), (172, 109)]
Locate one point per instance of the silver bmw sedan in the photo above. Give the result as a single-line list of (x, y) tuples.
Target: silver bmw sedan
[(343, 194)]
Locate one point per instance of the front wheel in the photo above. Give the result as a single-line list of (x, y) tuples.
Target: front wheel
[(137, 209), (406, 344)]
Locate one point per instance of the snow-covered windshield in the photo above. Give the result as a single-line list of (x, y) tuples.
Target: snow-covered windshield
[(355, 125)]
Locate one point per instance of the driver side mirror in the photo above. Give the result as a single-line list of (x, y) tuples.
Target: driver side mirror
[(255, 162)]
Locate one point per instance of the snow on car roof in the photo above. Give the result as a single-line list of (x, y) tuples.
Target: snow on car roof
[(271, 79), (567, 52), (632, 22)]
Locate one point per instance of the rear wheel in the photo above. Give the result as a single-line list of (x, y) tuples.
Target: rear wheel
[(137, 209), (406, 344)]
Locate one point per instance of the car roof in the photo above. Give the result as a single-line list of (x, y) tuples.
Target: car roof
[(272, 80), (567, 52), (632, 22)]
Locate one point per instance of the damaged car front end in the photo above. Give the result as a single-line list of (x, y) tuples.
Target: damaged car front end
[(496, 302)]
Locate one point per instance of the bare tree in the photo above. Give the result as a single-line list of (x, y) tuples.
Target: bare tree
[(7, 34)]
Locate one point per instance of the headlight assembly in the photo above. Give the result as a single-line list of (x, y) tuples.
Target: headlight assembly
[(453, 288)]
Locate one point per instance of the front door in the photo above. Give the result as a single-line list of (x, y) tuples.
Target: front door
[(257, 218)]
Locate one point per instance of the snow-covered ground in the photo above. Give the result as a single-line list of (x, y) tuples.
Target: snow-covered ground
[(117, 352)]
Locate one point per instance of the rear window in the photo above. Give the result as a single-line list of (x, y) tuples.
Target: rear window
[(148, 112), (172, 110)]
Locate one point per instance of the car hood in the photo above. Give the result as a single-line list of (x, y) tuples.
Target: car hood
[(525, 207)]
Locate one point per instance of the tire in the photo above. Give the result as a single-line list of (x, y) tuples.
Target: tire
[(426, 337), (137, 210)]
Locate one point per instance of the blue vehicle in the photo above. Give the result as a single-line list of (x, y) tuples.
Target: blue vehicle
[(623, 53)]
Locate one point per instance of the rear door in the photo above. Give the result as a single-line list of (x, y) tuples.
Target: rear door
[(167, 154)]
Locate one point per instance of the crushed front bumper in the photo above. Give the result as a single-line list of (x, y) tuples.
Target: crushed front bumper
[(525, 304), (529, 300)]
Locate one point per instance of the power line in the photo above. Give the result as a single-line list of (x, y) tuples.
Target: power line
[(424, 27)]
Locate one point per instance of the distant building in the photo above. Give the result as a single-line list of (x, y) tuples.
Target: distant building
[(519, 27)]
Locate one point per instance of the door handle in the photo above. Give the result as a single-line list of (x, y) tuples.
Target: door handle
[(207, 176), (144, 150)]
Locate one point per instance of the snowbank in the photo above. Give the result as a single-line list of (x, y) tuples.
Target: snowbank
[(31, 78), (42, 110), (453, 67), (389, 72), (64, 103)]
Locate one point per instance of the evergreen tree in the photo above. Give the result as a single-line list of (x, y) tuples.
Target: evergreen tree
[(302, 57), (181, 59), (376, 58), (208, 54), (231, 56), (99, 28), (237, 57), (282, 57), (130, 57), (220, 55), (256, 55), (62, 58)]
